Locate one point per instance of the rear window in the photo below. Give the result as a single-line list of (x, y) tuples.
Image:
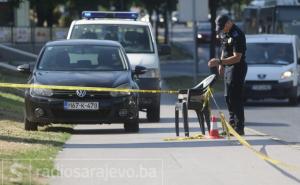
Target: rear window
[(134, 38), (269, 53), (82, 58)]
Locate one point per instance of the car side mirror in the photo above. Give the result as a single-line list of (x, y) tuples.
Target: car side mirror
[(164, 49), (139, 70), (24, 68)]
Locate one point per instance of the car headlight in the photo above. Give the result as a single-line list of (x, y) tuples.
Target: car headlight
[(41, 92), (121, 93), (287, 74), (199, 35)]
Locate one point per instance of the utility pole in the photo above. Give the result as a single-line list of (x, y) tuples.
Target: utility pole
[(195, 43), (212, 46), (194, 10)]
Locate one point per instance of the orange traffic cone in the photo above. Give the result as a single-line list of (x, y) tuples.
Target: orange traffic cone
[(214, 131)]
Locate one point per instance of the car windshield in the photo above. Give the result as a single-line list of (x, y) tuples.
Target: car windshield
[(134, 38), (269, 53), (82, 58)]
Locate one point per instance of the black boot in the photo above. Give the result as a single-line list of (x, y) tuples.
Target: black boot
[(240, 130), (232, 123)]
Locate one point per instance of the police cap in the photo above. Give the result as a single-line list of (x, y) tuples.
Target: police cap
[(221, 20)]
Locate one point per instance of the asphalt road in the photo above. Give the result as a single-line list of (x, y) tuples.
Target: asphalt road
[(275, 118)]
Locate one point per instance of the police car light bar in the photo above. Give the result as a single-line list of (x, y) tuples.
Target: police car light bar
[(101, 14)]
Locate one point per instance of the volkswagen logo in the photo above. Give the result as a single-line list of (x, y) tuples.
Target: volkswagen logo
[(261, 76), (81, 93)]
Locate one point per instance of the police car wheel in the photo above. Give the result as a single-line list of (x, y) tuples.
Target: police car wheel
[(132, 126), (153, 113), (30, 126), (293, 100)]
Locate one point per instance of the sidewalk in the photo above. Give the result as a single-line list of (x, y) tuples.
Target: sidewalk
[(224, 162)]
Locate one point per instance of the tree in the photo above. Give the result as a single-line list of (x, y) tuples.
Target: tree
[(122, 5), (171, 5), (44, 10), (212, 47), (152, 6), (75, 7), (230, 4), (7, 13), (14, 3), (161, 7)]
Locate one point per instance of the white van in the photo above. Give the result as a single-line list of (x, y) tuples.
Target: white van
[(139, 43), (273, 67)]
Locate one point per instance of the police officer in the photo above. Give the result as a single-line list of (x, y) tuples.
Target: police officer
[(233, 66)]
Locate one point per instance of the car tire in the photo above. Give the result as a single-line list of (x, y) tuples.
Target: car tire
[(132, 126), (153, 113), (293, 100), (30, 126), (245, 100)]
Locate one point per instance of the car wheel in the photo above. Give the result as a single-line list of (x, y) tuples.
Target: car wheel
[(132, 126), (293, 100), (245, 100), (153, 113), (30, 126)]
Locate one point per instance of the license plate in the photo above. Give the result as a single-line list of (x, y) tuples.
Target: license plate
[(81, 105), (261, 87)]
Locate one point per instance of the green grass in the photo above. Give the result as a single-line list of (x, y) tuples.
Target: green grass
[(8, 76), (26, 157), (177, 53), (185, 82), (11, 104)]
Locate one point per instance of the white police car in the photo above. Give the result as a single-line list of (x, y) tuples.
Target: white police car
[(139, 43)]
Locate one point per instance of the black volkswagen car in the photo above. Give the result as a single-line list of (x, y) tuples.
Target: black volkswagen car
[(82, 63)]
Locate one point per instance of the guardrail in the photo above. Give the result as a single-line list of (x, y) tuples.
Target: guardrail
[(18, 51)]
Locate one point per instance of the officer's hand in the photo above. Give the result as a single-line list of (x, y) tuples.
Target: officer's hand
[(213, 62), (221, 70)]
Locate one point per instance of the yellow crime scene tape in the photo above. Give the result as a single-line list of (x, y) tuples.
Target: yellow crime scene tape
[(103, 89), (195, 137), (226, 126)]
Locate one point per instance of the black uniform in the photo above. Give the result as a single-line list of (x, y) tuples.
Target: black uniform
[(234, 76)]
